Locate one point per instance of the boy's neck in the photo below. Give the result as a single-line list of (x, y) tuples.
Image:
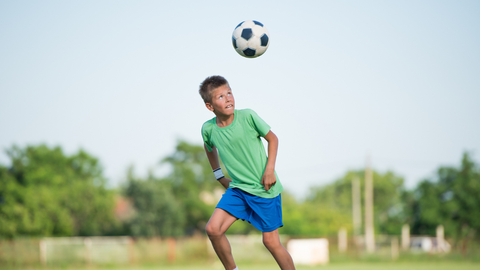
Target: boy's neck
[(225, 120)]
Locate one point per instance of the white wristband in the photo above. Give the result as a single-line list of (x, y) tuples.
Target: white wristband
[(218, 173)]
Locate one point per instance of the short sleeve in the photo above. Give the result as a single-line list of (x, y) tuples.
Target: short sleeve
[(207, 135), (261, 126)]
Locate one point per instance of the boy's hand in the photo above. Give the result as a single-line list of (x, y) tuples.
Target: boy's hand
[(225, 182), (268, 180)]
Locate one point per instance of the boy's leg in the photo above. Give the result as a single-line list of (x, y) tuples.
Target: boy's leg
[(216, 227), (271, 240)]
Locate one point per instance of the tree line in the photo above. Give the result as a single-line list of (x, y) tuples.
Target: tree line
[(45, 192)]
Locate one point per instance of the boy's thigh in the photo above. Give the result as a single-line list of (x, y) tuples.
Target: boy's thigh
[(266, 213), (234, 203), (220, 221), (263, 213)]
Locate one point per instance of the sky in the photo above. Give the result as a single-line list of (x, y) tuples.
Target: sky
[(395, 81)]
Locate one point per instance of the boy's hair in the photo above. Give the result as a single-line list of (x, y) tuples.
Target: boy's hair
[(208, 85)]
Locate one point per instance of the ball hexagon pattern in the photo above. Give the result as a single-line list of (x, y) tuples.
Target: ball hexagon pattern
[(250, 39)]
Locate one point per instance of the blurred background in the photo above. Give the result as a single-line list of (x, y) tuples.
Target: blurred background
[(375, 104)]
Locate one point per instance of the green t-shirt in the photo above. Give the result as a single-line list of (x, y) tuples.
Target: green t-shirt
[(242, 151)]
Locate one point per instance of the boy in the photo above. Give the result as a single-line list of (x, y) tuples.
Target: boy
[(254, 192)]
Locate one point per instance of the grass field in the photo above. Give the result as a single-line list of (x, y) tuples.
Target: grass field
[(374, 266), (350, 266)]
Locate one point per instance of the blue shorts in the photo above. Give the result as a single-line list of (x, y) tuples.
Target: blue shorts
[(264, 214)]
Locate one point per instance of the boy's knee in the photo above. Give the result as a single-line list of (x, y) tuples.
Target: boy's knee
[(212, 230), (271, 242)]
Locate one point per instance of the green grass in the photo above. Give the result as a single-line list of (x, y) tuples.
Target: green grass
[(338, 266), (370, 266)]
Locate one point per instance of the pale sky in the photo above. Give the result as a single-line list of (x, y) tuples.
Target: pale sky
[(396, 80)]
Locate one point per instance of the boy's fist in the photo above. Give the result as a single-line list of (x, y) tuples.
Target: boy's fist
[(268, 180)]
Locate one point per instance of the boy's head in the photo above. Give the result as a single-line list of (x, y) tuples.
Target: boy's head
[(209, 85), (217, 95)]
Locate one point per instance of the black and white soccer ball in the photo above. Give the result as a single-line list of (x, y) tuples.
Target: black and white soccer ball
[(250, 39)]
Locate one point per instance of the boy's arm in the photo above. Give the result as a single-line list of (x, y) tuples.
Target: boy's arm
[(268, 178), (215, 163)]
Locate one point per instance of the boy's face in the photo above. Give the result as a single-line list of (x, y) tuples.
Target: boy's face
[(223, 103)]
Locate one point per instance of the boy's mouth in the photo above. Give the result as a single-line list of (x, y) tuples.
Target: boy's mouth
[(229, 106)]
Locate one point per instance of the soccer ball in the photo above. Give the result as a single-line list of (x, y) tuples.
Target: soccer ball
[(250, 39)]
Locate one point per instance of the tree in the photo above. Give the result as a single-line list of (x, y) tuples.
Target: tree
[(178, 203), (191, 176), (388, 190), (158, 211), (466, 190), (47, 193), (309, 219), (449, 199)]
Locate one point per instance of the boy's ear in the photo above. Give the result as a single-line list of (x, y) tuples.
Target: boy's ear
[(209, 106)]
